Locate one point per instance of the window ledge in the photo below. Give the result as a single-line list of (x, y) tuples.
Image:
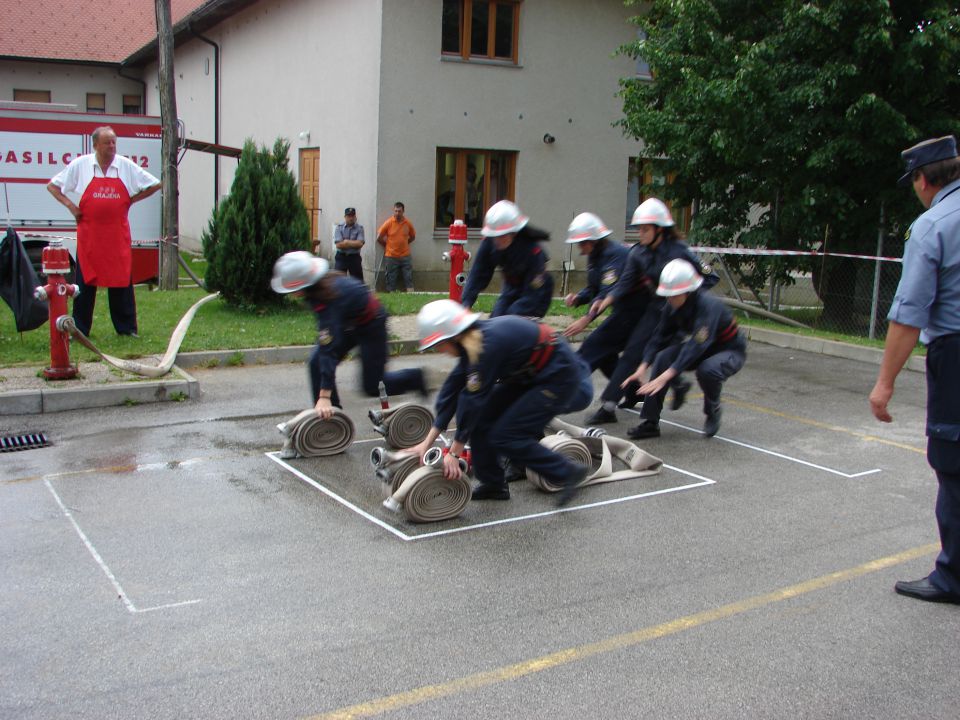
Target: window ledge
[(479, 61)]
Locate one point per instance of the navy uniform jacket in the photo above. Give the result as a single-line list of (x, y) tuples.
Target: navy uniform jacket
[(508, 343), (604, 267), (705, 321), (353, 307), (641, 273), (524, 265)]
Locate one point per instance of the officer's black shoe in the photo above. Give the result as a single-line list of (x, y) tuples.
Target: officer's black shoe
[(680, 390), (602, 417), (570, 485), (513, 473), (489, 491), (646, 429), (712, 423), (923, 589)]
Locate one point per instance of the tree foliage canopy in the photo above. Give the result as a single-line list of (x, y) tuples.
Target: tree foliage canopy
[(262, 218), (784, 119)]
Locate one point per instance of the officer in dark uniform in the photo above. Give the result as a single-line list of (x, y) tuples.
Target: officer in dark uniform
[(635, 293), (514, 375), (926, 307), (605, 261), (348, 239), (348, 315), (510, 243), (696, 331)]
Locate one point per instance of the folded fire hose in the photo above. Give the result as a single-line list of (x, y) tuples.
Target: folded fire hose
[(581, 445), (421, 492), (307, 435), (65, 324)]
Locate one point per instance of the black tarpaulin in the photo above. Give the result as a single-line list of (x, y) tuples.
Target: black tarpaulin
[(18, 280)]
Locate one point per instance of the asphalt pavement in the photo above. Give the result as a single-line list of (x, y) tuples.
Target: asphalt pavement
[(158, 561)]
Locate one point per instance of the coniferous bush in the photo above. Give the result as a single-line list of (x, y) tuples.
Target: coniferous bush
[(262, 218)]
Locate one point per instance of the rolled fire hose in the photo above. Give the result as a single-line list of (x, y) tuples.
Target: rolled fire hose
[(307, 435), (392, 468), (422, 493), (403, 426), (65, 324), (581, 445)]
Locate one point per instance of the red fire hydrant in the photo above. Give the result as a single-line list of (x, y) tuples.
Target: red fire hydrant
[(55, 261), (457, 256)]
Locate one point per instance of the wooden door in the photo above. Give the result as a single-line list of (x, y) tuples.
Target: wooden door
[(310, 191)]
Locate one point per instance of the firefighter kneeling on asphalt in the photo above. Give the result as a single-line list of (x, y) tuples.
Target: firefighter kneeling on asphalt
[(514, 375)]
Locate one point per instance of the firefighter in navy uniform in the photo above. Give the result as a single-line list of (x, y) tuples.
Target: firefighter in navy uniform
[(696, 332), (514, 375), (605, 262), (510, 243), (658, 244), (348, 315)]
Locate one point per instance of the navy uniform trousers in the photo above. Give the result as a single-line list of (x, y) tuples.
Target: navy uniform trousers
[(711, 373), (372, 339), (601, 348), (943, 453), (516, 413), (524, 301)]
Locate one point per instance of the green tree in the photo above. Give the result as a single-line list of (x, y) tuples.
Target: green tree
[(784, 119), (262, 218)]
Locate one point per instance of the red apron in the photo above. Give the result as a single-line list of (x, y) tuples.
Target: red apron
[(103, 234)]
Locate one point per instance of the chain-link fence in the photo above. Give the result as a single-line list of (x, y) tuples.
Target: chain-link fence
[(848, 294)]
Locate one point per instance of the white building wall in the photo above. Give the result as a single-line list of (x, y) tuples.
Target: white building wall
[(68, 84), (287, 66), (566, 85)]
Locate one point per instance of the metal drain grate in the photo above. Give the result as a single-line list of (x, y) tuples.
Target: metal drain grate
[(12, 443)]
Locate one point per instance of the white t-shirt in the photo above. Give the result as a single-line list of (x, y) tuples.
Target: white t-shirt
[(77, 175)]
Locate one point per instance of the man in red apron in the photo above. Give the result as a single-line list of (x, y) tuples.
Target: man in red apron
[(108, 184)]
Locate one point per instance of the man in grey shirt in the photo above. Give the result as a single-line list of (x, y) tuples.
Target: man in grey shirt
[(348, 237)]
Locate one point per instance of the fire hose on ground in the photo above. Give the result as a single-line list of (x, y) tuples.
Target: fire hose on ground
[(308, 435), (421, 492), (582, 445), (65, 324)]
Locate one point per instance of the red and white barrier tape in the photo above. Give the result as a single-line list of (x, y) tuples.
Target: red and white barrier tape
[(807, 253)]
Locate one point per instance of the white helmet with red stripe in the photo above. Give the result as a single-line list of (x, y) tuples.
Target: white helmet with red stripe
[(502, 218), (652, 212), (296, 271), (441, 320), (678, 277), (586, 226)]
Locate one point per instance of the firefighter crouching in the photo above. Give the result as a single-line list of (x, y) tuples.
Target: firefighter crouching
[(348, 315), (696, 332), (514, 375)]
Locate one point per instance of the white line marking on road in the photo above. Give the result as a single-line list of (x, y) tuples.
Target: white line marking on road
[(789, 458), (704, 481), (103, 566)]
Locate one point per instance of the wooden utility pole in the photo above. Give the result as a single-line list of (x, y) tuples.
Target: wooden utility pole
[(169, 246)]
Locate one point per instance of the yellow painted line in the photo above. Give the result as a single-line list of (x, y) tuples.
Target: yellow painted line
[(479, 680), (825, 426)]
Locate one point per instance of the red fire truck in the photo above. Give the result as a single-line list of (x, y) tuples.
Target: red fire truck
[(37, 141)]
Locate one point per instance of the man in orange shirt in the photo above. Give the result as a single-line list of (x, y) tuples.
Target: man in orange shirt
[(395, 235)]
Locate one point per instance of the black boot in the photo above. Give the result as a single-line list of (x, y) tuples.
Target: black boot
[(712, 423), (680, 389), (646, 429), (601, 417), (570, 485), (490, 491)]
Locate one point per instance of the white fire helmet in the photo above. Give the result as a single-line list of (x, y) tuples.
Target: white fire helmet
[(652, 212), (502, 218), (296, 271), (441, 320), (586, 226), (678, 277)]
